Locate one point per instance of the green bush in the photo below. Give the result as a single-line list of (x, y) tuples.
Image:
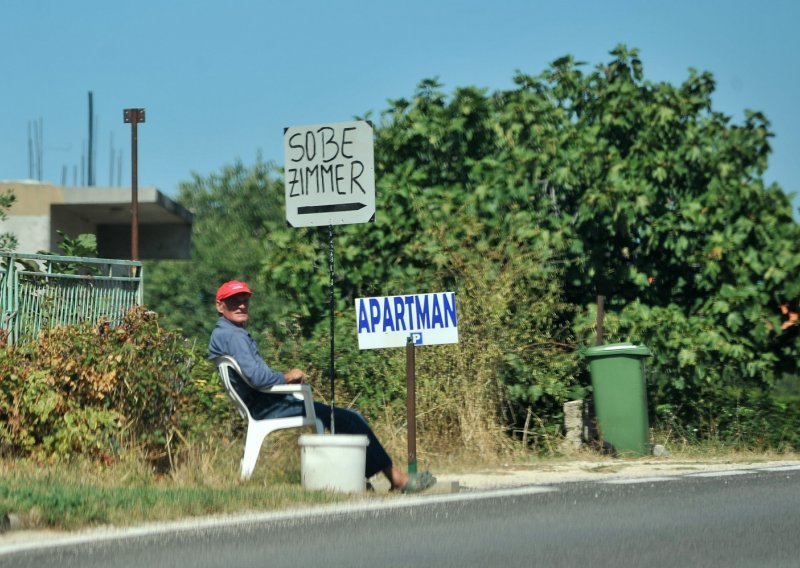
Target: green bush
[(96, 390), (515, 360), (705, 382)]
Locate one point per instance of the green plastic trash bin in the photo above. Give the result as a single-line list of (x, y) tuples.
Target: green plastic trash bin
[(620, 398)]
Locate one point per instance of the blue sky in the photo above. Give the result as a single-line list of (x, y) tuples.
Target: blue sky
[(220, 80)]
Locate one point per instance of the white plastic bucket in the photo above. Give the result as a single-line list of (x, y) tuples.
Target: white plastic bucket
[(334, 462)]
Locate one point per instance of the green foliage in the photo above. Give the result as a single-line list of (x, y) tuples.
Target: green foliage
[(8, 241), (84, 245), (513, 357), (672, 223), (515, 352), (236, 213), (202, 405), (93, 390), (531, 201)]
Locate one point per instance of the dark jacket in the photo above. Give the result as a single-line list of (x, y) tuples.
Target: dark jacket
[(229, 339)]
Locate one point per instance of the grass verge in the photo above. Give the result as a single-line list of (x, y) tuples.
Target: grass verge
[(67, 505), (79, 494)]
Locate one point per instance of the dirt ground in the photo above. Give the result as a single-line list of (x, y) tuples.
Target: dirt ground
[(594, 469)]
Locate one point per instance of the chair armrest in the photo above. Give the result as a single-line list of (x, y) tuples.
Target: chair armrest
[(277, 389)]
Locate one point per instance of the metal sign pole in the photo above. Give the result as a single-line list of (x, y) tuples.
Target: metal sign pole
[(331, 291), (411, 405)]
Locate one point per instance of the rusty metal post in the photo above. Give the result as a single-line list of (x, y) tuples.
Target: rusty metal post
[(411, 405), (134, 116)]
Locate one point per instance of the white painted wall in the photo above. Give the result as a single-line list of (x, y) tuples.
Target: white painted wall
[(32, 232)]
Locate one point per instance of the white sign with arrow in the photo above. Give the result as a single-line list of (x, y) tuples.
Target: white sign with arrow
[(329, 174)]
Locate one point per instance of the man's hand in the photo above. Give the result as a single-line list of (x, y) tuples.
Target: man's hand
[(294, 376)]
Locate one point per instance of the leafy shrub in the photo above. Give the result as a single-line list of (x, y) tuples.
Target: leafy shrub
[(515, 358), (94, 390), (704, 381)]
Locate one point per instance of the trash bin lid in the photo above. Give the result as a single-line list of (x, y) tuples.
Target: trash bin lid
[(616, 349)]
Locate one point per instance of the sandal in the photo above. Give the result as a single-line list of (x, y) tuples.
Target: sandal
[(419, 482)]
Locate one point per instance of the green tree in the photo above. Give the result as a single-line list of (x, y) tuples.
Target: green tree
[(578, 182), (237, 211), (663, 201), (640, 190)]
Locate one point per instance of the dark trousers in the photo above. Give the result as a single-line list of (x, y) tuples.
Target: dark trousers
[(347, 422)]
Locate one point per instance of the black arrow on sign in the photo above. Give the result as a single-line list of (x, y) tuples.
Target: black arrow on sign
[(311, 209)]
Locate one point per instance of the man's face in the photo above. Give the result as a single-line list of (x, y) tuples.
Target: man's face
[(234, 308)]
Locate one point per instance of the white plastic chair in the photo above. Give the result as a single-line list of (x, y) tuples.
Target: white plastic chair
[(258, 430)]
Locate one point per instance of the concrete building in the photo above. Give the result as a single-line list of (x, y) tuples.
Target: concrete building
[(41, 209)]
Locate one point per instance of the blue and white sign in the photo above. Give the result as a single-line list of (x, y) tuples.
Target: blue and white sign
[(388, 321)]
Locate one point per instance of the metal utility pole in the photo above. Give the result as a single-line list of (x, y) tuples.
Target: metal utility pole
[(111, 160), (38, 137), (30, 152), (90, 154), (134, 116)]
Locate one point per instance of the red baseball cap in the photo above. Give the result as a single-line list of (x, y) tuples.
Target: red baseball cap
[(231, 289)]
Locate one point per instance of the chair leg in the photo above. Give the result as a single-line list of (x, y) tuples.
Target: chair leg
[(252, 447), (318, 426)]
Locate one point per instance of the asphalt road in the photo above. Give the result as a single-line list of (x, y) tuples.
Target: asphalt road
[(730, 519)]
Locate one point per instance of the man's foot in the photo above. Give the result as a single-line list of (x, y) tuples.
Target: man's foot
[(396, 476), (418, 482)]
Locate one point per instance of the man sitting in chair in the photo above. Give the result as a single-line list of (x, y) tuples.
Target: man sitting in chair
[(230, 337)]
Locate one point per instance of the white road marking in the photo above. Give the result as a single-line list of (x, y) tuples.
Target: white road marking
[(724, 473), (638, 480), (782, 468)]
